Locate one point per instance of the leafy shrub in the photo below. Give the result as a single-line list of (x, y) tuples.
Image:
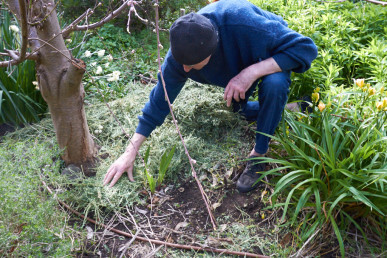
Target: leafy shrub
[(20, 101), (350, 38), (336, 160), (130, 54)]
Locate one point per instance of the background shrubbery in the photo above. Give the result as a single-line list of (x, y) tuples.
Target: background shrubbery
[(20, 101)]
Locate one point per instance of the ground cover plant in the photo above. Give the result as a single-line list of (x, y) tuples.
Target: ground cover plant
[(328, 181)]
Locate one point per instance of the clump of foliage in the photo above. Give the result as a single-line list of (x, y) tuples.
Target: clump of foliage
[(336, 161), (31, 224), (351, 40), (20, 100), (112, 50), (155, 182)]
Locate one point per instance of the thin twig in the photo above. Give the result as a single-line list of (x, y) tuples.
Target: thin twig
[(307, 242), (24, 29), (86, 14), (191, 162), (44, 18), (108, 18)]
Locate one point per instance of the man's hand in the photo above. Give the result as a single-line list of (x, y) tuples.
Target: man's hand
[(240, 84), (237, 86), (125, 162)]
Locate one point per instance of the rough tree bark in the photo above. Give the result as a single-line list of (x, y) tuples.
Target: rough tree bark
[(60, 80)]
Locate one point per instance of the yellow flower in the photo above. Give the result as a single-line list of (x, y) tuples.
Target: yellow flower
[(321, 106), (360, 83), (382, 90), (371, 91), (385, 103), (263, 215), (315, 97), (379, 105), (317, 90)]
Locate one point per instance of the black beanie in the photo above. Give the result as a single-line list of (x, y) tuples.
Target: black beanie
[(193, 38)]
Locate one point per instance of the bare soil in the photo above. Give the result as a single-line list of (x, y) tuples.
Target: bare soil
[(6, 128), (178, 214)]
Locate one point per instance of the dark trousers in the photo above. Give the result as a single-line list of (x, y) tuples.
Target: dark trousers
[(273, 93)]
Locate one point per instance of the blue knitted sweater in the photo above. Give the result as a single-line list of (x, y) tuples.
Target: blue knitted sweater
[(246, 35)]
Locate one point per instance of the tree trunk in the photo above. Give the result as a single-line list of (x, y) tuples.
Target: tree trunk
[(60, 81)]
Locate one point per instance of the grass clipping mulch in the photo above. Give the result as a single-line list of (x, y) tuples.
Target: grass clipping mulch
[(213, 135)]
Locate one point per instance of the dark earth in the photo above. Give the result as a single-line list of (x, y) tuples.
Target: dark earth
[(178, 214)]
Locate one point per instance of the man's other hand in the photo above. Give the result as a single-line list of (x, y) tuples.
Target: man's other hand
[(238, 86)]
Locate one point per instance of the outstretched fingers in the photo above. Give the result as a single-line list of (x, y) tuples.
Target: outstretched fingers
[(130, 175), (116, 176), (109, 175)]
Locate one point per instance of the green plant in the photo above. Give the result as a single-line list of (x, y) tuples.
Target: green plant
[(20, 101), (132, 55), (350, 38), (31, 222), (164, 164), (336, 160)]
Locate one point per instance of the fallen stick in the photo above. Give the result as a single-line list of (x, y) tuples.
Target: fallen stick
[(158, 242)]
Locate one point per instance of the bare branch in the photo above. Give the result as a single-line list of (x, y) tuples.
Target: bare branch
[(29, 56), (71, 27), (24, 29), (45, 17), (108, 18), (20, 11)]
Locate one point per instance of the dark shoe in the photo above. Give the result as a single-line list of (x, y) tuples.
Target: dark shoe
[(305, 105), (248, 180)]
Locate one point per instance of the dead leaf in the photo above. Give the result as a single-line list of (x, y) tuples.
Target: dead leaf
[(155, 200), (181, 225), (169, 239), (203, 177), (213, 242), (222, 227), (228, 173), (90, 232), (216, 205), (143, 212), (214, 180), (286, 240)]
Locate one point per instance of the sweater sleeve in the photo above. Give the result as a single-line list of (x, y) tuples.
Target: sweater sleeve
[(156, 109), (291, 50)]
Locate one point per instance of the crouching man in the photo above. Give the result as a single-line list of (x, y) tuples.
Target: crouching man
[(235, 45)]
